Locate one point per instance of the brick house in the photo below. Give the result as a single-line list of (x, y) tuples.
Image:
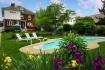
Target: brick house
[(17, 16)]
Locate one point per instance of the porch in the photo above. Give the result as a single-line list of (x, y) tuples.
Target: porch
[(20, 24)]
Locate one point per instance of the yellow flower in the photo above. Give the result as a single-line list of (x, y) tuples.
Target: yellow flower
[(6, 67), (31, 57), (74, 63), (8, 64), (8, 59), (38, 57), (46, 62)]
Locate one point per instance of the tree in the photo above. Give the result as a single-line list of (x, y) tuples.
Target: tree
[(67, 27), (59, 14), (85, 25), (53, 16), (102, 10)]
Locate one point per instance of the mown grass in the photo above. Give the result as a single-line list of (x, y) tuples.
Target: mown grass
[(11, 47), (98, 51)]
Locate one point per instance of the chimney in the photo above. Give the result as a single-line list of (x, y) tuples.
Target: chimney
[(12, 4)]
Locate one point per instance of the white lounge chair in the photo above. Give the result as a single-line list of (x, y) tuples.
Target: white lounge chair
[(31, 38), (21, 39), (36, 37), (28, 36)]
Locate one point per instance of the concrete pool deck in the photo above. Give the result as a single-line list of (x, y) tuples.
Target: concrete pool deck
[(31, 50)]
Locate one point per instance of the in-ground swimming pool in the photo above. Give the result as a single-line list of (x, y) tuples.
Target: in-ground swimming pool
[(54, 44)]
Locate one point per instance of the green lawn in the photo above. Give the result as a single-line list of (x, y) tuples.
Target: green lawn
[(98, 51), (11, 47)]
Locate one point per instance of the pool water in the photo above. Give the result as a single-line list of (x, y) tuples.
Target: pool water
[(52, 45), (87, 39)]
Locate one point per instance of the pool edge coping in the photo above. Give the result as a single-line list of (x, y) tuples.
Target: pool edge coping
[(90, 45)]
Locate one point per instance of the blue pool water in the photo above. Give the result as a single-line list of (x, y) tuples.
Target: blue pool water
[(55, 44)]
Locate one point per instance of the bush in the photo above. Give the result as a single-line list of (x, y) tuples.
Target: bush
[(101, 21), (85, 26), (60, 31), (12, 28), (67, 27), (45, 34), (48, 28), (101, 30), (66, 53)]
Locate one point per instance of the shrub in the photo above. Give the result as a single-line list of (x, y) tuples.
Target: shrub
[(12, 28), (14, 36), (101, 30), (68, 46), (45, 34), (48, 27), (85, 26), (67, 27), (60, 31), (101, 21)]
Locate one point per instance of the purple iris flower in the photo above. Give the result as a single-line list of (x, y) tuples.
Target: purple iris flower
[(57, 63), (98, 67), (74, 50), (100, 59), (70, 45), (97, 62), (78, 56), (79, 59), (76, 53)]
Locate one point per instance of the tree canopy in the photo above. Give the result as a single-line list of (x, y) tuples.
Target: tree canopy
[(85, 25), (54, 16)]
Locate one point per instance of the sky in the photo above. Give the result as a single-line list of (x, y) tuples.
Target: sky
[(81, 7)]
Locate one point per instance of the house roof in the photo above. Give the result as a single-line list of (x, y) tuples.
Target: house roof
[(97, 17), (18, 8)]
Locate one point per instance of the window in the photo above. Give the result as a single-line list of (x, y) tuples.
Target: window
[(29, 17), (12, 11), (22, 17), (29, 24), (22, 9)]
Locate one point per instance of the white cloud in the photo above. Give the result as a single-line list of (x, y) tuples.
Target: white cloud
[(55, 1), (1, 0), (79, 13), (17, 2), (90, 3)]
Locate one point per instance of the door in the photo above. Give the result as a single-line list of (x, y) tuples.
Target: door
[(22, 25)]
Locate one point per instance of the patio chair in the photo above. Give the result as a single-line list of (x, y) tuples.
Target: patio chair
[(35, 36), (28, 36), (21, 39), (31, 38)]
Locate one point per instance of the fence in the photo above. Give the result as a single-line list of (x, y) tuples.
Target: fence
[(1, 29)]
